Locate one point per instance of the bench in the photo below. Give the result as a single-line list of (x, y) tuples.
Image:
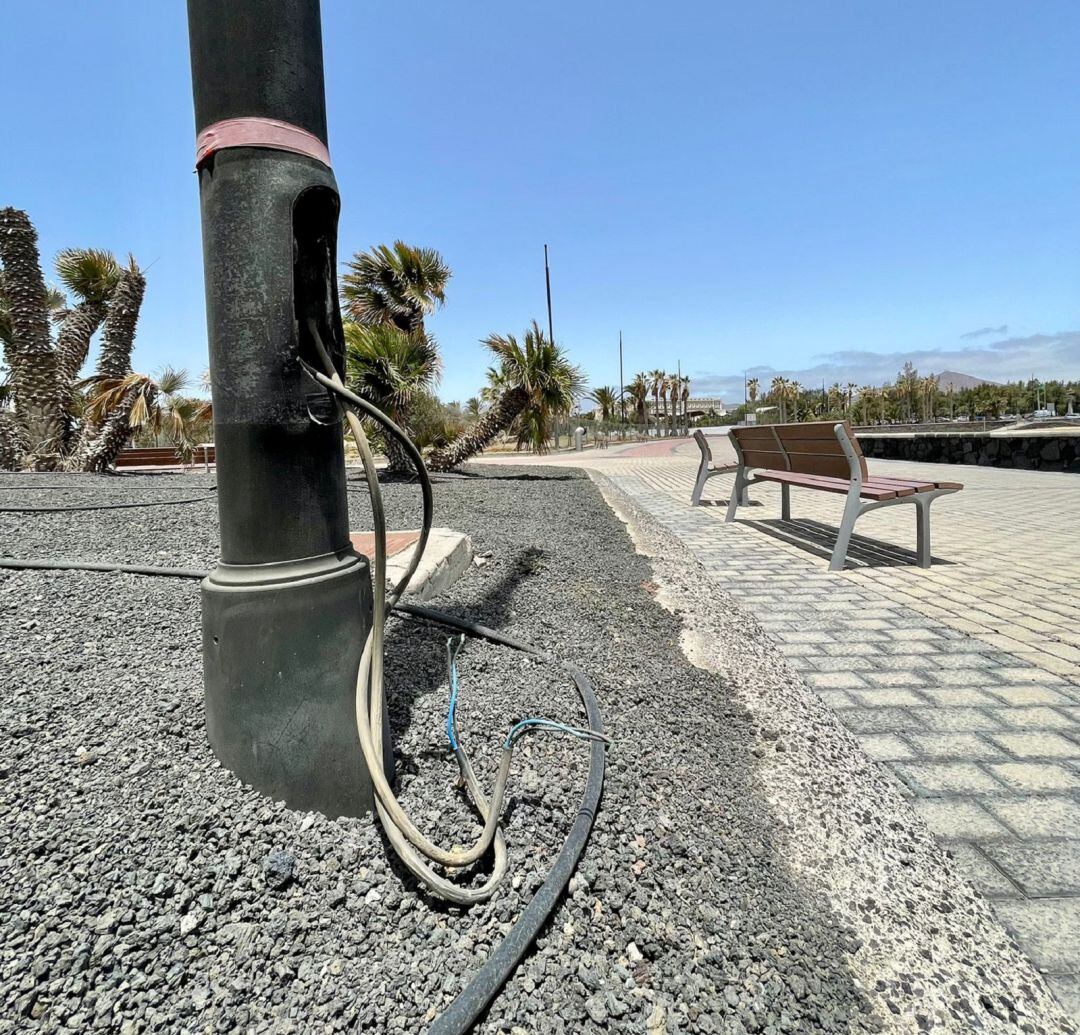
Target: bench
[(825, 456), (164, 456), (706, 468)]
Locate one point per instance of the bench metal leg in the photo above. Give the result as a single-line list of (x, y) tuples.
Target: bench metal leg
[(785, 501), (699, 485), (922, 528), (738, 496), (843, 534)]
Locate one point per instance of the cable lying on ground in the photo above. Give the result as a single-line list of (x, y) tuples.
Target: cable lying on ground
[(108, 506)]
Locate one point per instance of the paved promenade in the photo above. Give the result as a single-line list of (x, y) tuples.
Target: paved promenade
[(962, 681)]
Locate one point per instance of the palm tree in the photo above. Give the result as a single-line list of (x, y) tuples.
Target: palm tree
[(851, 386), (389, 368), (638, 392), (155, 409), (684, 395), (656, 381), (28, 348), (794, 390), (92, 276), (606, 398), (674, 391), (883, 396), (537, 380), (753, 386), (118, 333), (778, 389), (473, 407), (866, 396), (395, 285)]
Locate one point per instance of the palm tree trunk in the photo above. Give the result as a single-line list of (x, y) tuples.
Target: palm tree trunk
[(118, 337), (101, 452), (11, 443), (29, 355), (498, 418), (72, 346), (398, 461)]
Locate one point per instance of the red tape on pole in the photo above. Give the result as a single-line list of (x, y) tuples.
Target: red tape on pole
[(258, 132)]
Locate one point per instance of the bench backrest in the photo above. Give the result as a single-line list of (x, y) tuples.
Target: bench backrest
[(810, 448), (703, 444)]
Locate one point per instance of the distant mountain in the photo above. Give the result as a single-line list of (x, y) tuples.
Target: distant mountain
[(958, 382)]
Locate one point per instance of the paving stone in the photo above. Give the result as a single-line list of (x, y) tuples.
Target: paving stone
[(956, 720), (1024, 695), (1037, 745), (1067, 990), (886, 698), (897, 678), (1039, 867), (912, 635), (885, 747), (836, 698), (954, 745), (1048, 930), (834, 680), (879, 720), (1032, 718), (978, 677), (984, 876), (956, 697), (1034, 817), (959, 819), (930, 778), (1035, 776)]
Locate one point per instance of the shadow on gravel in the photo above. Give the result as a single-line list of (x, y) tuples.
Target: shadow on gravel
[(688, 916), (817, 538)]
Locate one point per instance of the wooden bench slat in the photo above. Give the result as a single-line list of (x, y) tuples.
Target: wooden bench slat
[(826, 484), (817, 429)]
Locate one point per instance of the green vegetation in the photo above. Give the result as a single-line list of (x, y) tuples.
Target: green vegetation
[(532, 381), (910, 398), (49, 418)]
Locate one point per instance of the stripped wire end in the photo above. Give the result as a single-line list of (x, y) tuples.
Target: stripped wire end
[(518, 730)]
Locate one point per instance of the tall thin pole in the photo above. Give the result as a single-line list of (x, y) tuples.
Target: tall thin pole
[(622, 387), (678, 393), (551, 329), (547, 281)]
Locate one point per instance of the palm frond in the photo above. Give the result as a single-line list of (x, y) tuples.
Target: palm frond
[(90, 273)]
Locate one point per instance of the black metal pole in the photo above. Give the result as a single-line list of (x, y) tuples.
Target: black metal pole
[(622, 387), (286, 611), (551, 331)]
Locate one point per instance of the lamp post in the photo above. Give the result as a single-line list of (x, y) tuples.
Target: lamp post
[(286, 610)]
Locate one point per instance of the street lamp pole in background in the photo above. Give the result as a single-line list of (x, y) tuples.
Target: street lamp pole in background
[(551, 330), (286, 611), (622, 387)]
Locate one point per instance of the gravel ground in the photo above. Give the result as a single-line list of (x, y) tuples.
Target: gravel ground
[(733, 882)]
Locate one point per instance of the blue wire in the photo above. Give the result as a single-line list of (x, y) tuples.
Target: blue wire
[(519, 729), (453, 647), (451, 661)]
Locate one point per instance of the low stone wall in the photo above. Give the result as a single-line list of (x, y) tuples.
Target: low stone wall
[(1027, 452)]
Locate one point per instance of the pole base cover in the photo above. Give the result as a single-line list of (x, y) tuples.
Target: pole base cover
[(276, 640)]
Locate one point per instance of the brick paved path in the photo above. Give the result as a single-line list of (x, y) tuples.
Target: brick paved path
[(962, 681)]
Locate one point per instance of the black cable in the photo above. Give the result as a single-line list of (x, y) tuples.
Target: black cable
[(62, 564), (106, 506)]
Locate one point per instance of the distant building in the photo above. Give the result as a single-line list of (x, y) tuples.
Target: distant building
[(700, 405)]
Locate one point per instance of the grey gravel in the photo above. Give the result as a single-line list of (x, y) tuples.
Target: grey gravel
[(725, 888)]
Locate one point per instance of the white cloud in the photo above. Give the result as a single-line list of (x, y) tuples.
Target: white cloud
[(1049, 356)]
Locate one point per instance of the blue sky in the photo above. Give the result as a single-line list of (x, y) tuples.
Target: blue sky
[(816, 189)]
